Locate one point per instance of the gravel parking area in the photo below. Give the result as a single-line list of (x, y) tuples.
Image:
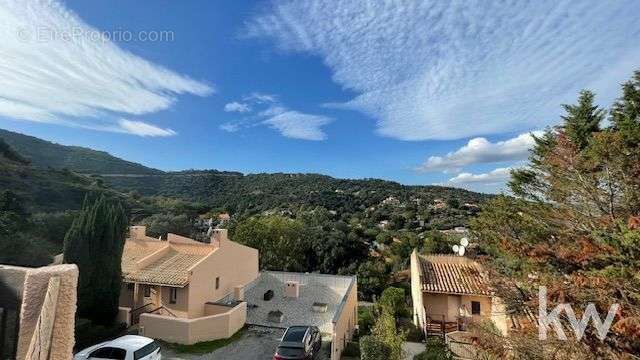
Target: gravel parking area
[(257, 343)]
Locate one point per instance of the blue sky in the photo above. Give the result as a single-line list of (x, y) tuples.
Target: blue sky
[(416, 92)]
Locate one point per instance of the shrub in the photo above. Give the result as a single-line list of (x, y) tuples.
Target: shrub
[(392, 301), (365, 320), (352, 349), (414, 334), (372, 348), (436, 350)]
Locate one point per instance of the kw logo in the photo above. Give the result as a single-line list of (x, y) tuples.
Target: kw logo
[(551, 319)]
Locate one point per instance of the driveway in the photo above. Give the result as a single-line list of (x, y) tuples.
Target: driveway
[(257, 343)]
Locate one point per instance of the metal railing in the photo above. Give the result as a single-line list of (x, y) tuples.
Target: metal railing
[(135, 313)]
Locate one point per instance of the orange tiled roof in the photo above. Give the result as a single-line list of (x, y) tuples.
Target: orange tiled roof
[(451, 274), (172, 268)]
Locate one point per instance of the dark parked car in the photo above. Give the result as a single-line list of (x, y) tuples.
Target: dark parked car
[(299, 343)]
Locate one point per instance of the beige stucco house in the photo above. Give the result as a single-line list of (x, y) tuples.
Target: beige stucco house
[(173, 287), (184, 291), (449, 292)]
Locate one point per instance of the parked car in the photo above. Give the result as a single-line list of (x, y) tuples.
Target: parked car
[(128, 347), (299, 343)]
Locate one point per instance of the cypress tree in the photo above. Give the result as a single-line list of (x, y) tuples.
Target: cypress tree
[(95, 243)]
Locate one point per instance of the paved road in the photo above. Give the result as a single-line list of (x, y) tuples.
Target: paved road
[(257, 343)]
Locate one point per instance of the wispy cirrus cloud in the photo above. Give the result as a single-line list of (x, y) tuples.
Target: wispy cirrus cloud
[(296, 125), (480, 151), (266, 109), (237, 107), (456, 69), (74, 78), (143, 129)]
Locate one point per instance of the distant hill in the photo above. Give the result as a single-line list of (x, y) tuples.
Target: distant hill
[(46, 190), (232, 191), (45, 154), (254, 193)]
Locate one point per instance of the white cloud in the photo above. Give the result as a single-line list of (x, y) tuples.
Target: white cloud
[(261, 98), (271, 112), (298, 125), (497, 176), (456, 69), (142, 129), (54, 69), (237, 107), (480, 150), (230, 127)]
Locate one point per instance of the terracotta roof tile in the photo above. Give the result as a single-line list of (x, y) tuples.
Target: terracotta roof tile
[(452, 275), (170, 269)]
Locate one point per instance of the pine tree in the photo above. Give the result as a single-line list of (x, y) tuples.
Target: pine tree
[(625, 113), (95, 243), (582, 119)]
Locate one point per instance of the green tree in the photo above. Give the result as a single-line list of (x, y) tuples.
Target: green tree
[(162, 224), (392, 301), (280, 240), (373, 277), (583, 119), (95, 243), (574, 225), (625, 113)]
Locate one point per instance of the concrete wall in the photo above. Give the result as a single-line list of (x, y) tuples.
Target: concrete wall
[(124, 315), (416, 292), (233, 263), (46, 313), (191, 331), (344, 326)]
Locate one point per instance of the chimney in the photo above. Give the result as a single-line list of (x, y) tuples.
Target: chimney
[(138, 232), (292, 289), (238, 293), (218, 237)]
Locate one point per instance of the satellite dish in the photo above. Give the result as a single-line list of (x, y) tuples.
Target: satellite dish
[(464, 242), (456, 248), (461, 251)]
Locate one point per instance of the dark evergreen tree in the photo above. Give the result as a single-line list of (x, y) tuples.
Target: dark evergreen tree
[(95, 243), (582, 119), (625, 113)]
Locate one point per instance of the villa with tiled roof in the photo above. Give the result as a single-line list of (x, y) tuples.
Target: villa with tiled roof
[(450, 291), (172, 287)]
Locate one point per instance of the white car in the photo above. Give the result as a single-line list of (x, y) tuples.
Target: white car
[(129, 347)]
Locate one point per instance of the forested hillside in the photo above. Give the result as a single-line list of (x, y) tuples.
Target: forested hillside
[(42, 189), (44, 154), (249, 194)]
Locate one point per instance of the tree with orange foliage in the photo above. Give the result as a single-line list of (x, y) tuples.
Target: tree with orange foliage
[(573, 224)]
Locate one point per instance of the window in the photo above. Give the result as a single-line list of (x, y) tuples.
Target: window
[(130, 286), (109, 353), (217, 283), (147, 291), (475, 308), (145, 351), (173, 295)]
